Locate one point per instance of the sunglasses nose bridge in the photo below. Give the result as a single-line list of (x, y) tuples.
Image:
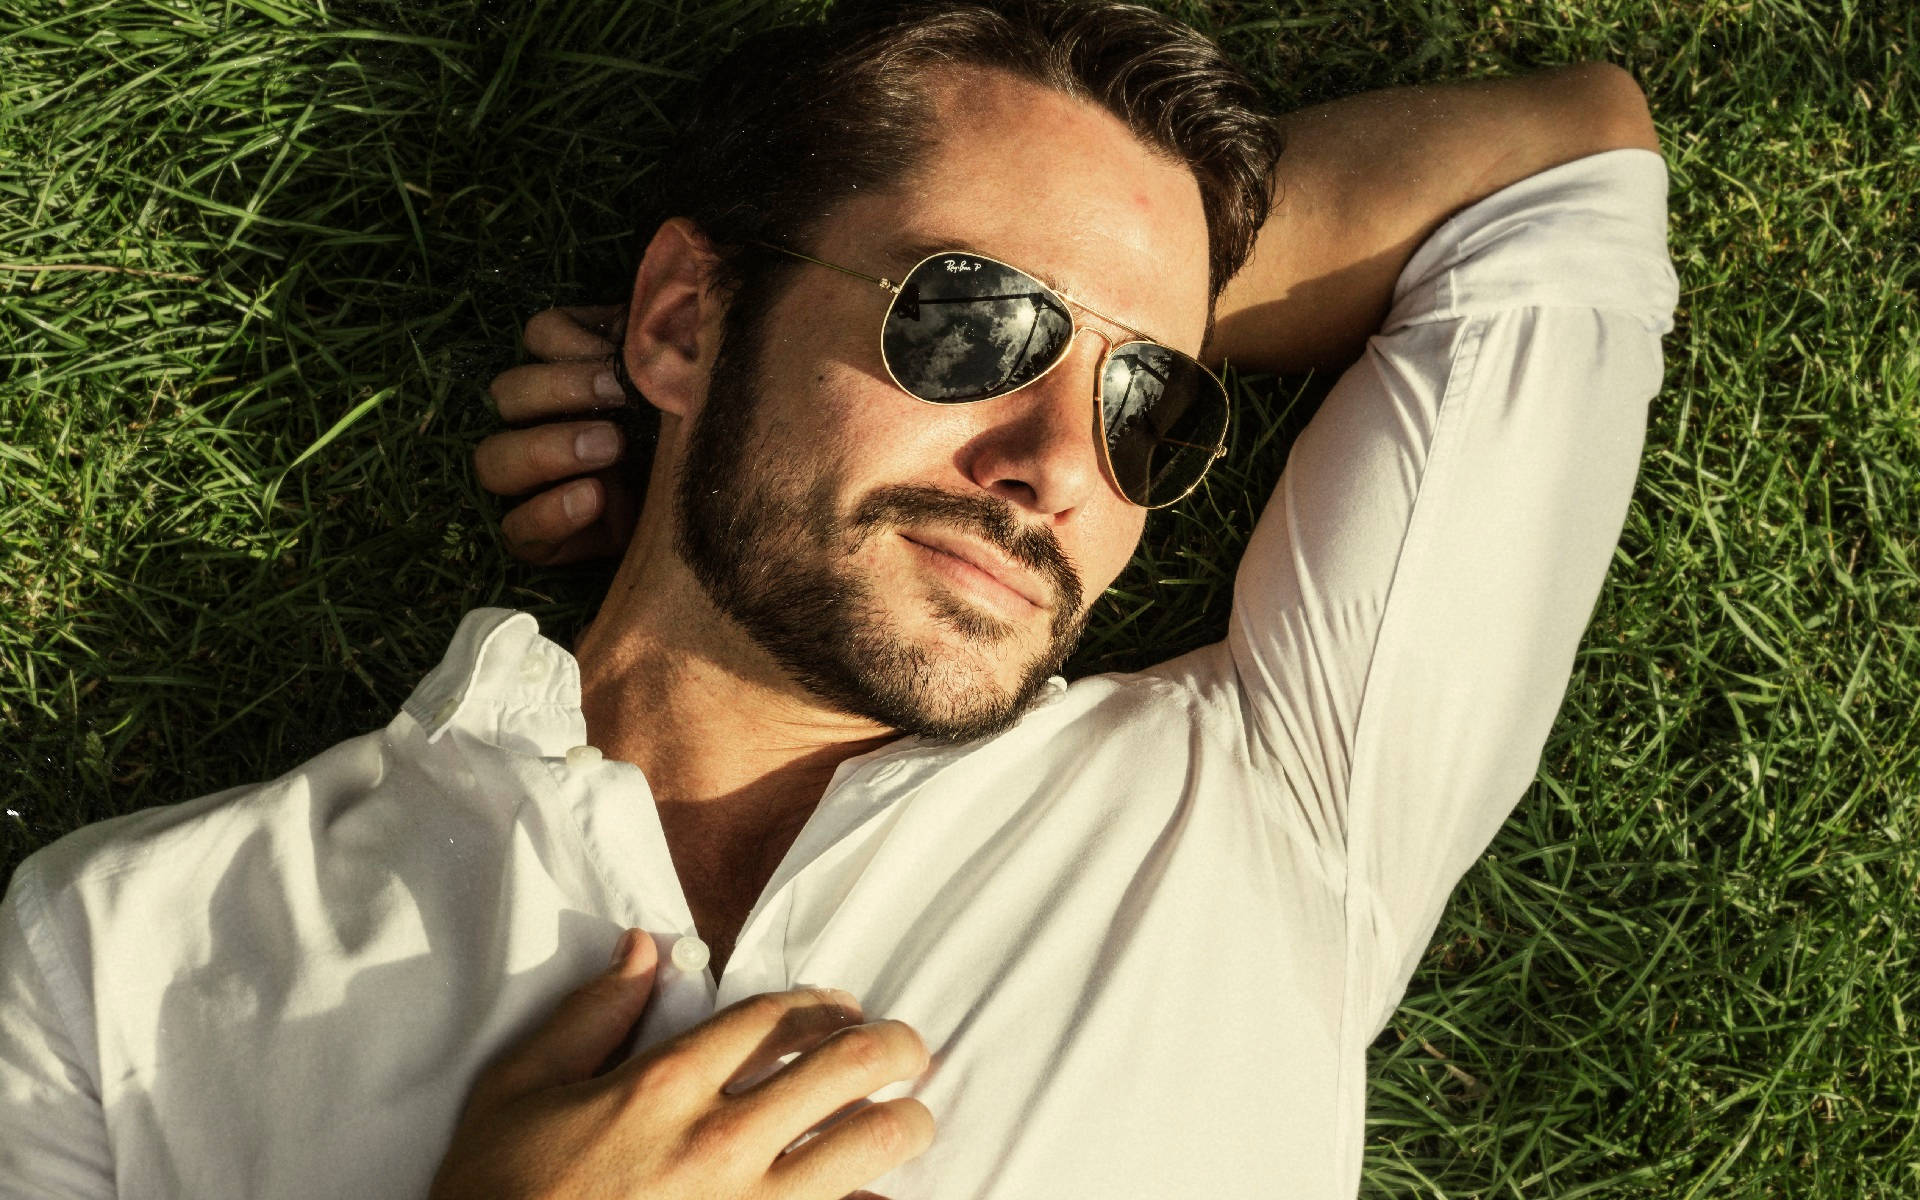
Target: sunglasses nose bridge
[(1106, 349), (1106, 340), (1069, 378)]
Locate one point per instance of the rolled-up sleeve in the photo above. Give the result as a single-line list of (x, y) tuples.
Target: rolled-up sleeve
[(1406, 616)]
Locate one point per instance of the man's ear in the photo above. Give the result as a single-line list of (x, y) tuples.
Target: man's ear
[(671, 317)]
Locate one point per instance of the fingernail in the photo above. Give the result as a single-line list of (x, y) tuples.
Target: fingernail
[(596, 445), (577, 500), (622, 949), (607, 389)]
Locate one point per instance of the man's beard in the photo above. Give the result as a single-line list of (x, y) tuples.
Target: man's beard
[(773, 554)]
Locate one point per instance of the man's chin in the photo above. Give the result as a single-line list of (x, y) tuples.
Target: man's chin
[(970, 630), (954, 673), (961, 713)]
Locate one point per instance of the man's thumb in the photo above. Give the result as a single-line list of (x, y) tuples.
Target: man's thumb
[(592, 1022)]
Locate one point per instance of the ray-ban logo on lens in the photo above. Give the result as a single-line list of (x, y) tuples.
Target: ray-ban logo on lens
[(956, 265)]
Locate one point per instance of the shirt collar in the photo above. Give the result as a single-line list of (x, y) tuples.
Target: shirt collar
[(504, 683), (501, 681)]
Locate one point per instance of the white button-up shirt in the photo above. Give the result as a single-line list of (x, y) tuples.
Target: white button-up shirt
[(1148, 933)]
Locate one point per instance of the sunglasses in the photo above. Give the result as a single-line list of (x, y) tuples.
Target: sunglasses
[(963, 328)]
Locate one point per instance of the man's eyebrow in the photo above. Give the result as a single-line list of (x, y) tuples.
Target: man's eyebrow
[(903, 256)]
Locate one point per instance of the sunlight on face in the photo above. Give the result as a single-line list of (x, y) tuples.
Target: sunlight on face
[(775, 553), (922, 564)]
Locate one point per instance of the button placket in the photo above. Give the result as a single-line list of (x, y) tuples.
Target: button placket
[(758, 962)]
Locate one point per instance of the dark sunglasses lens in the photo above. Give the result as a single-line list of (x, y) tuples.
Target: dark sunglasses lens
[(967, 328), (1165, 416)]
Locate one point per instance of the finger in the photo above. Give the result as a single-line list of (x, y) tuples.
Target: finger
[(796, 1033), (587, 518), (755, 1030), (581, 332), (841, 1070), (520, 460), (589, 1023), (556, 389), (606, 536), (856, 1151)]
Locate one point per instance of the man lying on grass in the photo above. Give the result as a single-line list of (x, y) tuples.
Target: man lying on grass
[(932, 326)]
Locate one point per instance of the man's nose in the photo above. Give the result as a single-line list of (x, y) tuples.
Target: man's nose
[(1037, 449)]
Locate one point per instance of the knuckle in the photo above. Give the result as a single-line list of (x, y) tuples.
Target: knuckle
[(884, 1133), (896, 1131), (868, 1049), (716, 1137), (767, 1008), (508, 389), (552, 452), (671, 1071)]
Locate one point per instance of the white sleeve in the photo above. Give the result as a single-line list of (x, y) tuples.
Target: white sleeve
[(1407, 612), (53, 1132)]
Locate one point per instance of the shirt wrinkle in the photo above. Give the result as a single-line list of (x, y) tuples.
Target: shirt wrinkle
[(1233, 733), (57, 972)]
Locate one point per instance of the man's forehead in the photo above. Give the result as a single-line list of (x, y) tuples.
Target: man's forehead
[(1056, 186)]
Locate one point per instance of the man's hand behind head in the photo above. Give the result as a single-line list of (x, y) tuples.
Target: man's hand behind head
[(581, 507), (697, 1115)]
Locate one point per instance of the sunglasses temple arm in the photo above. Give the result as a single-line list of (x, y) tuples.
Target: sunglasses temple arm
[(885, 283)]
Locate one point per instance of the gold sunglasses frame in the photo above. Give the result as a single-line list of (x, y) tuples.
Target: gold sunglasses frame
[(1215, 453)]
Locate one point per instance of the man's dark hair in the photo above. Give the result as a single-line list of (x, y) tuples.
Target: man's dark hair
[(795, 120)]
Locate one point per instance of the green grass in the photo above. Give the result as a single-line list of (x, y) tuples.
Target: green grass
[(237, 520)]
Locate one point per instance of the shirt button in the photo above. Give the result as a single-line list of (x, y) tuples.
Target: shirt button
[(583, 756), (532, 669), (690, 954)]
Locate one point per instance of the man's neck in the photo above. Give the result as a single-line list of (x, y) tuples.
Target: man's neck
[(730, 746)]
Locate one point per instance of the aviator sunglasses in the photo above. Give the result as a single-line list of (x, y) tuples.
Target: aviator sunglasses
[(963, 328)]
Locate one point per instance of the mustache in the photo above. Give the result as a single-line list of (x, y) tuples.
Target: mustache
[(992, 520)]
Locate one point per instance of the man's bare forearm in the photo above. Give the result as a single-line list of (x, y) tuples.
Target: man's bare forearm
[(1365, 179)]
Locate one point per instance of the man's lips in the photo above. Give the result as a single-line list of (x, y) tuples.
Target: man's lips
[(991, 563)]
